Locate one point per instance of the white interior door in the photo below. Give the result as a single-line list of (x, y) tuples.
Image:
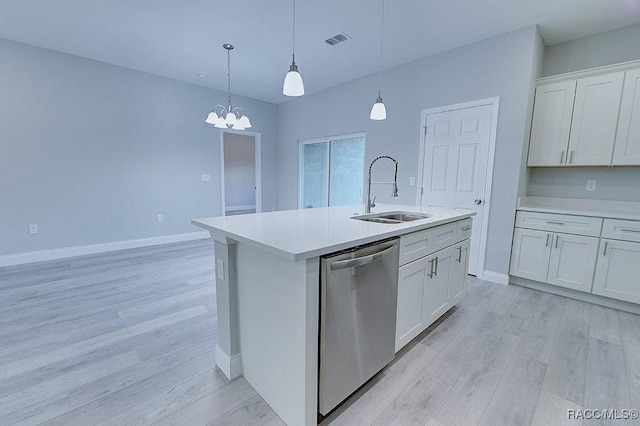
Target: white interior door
[(455, 164)]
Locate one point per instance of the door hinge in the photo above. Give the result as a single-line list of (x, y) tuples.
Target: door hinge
[(425, 130), (421, 190)]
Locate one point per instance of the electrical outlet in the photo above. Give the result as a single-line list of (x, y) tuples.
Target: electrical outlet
[(160, 218), (591, 185), (412, 181), (205, 178), (33, 229)]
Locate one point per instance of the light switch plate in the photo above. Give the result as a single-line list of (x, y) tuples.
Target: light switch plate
[(412, 181), (205, 178), (160, 218), (220, 269), (591, 185)]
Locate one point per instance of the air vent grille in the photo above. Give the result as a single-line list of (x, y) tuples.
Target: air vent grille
[(336, 39)]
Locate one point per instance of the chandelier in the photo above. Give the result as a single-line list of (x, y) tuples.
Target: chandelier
[(228, 117)]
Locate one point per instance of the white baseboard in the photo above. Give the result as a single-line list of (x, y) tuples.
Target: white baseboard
[(495, 277), (66, 252), (230, 366)]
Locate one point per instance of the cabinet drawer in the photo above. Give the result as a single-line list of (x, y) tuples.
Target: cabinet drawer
[(463, 229), (419, 244), (580, 225), (616, 229)]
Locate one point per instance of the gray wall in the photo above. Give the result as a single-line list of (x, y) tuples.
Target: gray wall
[(593, 51), (503, 66), (93, 152), (618, 183)]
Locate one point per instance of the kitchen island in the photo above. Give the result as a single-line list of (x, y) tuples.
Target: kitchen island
[(267, 290)]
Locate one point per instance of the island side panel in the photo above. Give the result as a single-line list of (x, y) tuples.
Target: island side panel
[(227, 354), (278, 315)]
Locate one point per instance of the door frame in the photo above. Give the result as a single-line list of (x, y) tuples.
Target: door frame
[(258, 167), (327, 139), (495, 104)]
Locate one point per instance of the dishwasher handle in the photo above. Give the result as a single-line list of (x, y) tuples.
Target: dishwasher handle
[(359, 261)]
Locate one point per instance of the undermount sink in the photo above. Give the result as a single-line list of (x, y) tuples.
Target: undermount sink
[(392, 217)]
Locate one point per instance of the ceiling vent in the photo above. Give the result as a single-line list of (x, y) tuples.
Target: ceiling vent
[(336, 39)]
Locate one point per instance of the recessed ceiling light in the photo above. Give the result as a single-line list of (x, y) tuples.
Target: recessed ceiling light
[(201, 75)]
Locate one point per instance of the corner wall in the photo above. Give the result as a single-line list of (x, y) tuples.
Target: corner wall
[(92, 152), (501, 66)]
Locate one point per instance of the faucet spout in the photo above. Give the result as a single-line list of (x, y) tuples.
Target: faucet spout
[(369, 204)]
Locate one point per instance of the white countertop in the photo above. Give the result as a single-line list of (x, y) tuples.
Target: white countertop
[(576, 206), (305, 233)]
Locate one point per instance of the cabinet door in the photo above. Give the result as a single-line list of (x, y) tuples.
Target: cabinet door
[(459, 270), (411, 281), (530, 254), (551, 124), (627, 147), (573, 260), (435, 300), (595, 119), (618, 271)]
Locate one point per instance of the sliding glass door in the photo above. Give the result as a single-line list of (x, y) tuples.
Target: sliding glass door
[(331, 171)]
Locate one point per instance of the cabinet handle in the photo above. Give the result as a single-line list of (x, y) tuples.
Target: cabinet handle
[(604, 253), (436, 272), (571, 157), (460, 254), (562, 157), (547, 243), (557, 238), (431, 269), (553, 222), (630, 230)]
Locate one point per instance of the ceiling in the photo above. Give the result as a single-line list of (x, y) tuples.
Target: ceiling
[(180, 39)]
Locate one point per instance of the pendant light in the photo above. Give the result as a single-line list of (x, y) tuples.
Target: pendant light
[(379, 111), (228, 117), (293, 85)]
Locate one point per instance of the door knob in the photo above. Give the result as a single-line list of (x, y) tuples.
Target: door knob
[(478, 201)]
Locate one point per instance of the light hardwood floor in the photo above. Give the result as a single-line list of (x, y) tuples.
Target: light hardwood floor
[(128, 338)]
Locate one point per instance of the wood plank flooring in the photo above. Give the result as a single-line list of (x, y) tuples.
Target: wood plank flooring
[(128, 338)]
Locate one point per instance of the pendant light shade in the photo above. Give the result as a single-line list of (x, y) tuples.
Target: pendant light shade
[(379, 111), (228, 117), (293, 85)]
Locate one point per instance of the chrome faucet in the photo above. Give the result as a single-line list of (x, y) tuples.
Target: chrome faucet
[(372, 203)]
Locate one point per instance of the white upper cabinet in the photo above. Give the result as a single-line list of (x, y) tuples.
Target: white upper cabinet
[(591, 120), (595, 119), (551, 124), (627, 148)]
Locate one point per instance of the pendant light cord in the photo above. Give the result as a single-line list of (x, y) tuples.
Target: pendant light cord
[(381, 38), (293, 44)]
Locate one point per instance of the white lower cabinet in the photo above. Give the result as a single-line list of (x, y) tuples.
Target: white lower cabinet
[(604, 260), (618, 271), (435, 300), (428, 287), (411, 279), (459, 268), (530, 254), (560, 259), (572, 262)]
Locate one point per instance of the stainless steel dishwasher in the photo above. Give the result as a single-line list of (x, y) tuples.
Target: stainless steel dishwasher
[(358, 302)]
